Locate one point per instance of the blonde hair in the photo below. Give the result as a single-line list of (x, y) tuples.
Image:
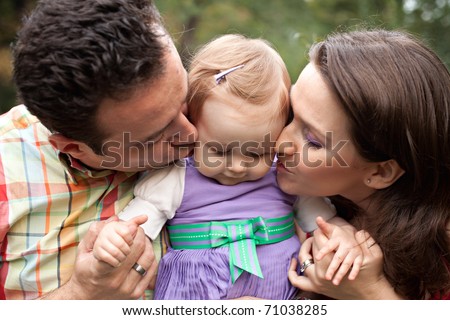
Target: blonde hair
[(263, 76)]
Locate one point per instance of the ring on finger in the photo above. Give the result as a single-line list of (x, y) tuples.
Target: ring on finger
[(306, 264), (139, 269)]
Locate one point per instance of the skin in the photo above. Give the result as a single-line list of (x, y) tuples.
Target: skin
[(369, 284), (154, 116), (231, 145)]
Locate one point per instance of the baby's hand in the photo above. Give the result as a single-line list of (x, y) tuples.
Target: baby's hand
[(114, 241), (348, 253)]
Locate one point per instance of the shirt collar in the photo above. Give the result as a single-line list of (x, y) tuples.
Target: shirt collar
[(76, 169)]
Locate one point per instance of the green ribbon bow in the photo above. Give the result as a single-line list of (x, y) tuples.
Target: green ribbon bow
[(241, 236)]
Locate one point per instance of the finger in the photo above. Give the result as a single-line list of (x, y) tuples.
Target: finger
[(367, 244), (136, 250), (118, 248), (103, 268), (356, 267), (335, 263), (293, 265), (87, 244), (330, 246), (105, 256), (148, 262), (301, 282), (137, 256), (122, 236), (137, 220), (325, 227), (320, 267), (343, 269), (305, 250), (134, 223)]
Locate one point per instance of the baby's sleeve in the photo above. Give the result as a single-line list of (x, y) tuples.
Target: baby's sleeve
[(158, 195), (307, 209)]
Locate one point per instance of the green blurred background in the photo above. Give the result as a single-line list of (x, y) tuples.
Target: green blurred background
[(291, 25)]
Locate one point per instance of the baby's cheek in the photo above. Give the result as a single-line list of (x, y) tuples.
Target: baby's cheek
[(261, 167)]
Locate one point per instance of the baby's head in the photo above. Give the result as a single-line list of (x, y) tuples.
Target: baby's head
[(240, 115)]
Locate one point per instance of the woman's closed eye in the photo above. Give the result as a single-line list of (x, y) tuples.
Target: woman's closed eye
[(312, 142)]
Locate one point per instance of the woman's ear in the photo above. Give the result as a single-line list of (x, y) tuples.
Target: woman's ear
[(384, 174)]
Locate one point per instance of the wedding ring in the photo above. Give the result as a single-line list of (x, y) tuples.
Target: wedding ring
[(306, 264), (139, 269)]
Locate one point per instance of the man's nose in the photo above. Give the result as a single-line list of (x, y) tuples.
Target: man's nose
[(185, 132)]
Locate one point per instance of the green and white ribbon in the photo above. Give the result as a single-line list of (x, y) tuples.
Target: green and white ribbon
[(241, 236)]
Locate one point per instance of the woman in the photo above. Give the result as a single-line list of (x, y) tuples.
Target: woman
[(371, 127)]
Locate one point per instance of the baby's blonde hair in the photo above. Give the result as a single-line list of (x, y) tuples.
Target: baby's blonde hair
[(263, 76)]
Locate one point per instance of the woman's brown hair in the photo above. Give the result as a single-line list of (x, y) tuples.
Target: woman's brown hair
[(396, 94)]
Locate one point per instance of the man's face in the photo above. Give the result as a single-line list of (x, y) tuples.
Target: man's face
[(150, 129)]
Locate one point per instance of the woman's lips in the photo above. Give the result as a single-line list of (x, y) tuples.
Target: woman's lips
[(281, 167)]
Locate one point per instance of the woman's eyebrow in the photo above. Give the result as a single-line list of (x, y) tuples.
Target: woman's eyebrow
[(305, 123)]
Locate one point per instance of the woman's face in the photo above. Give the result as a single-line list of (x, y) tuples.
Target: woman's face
[(316, 154)]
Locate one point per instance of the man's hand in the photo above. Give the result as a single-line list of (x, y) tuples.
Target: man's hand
[(94, 279), (113, 243)]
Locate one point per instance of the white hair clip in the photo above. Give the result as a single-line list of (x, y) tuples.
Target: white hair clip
[(220, 76)]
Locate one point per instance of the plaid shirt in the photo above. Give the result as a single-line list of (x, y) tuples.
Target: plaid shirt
[(47, 203)]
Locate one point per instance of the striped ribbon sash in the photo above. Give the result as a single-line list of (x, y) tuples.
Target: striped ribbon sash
[(241, 236)]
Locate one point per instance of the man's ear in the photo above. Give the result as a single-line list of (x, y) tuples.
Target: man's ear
[(384, 174), (75, 148)]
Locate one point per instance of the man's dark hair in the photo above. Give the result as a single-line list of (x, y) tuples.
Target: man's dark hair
[(72, 54)]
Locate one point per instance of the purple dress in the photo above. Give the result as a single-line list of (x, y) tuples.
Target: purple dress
[(205, 273)]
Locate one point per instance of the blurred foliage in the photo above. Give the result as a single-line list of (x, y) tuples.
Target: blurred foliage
[(290, 25)]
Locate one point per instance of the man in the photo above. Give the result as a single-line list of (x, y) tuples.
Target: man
[(104, 93)]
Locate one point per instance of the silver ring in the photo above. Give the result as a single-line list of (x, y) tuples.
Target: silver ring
[(306, 264), (139, 269)]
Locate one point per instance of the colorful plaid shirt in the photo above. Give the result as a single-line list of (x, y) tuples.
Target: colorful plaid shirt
[(47, 203)]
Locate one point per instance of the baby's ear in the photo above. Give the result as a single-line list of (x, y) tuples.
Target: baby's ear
[(384, 174)]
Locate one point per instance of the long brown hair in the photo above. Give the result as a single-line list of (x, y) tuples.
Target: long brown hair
[(396, 94)]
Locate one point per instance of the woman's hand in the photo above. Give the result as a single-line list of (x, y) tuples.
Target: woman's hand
[(369, 284), (348, 254)]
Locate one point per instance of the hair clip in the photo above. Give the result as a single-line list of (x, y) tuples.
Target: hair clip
[(220, 76)]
